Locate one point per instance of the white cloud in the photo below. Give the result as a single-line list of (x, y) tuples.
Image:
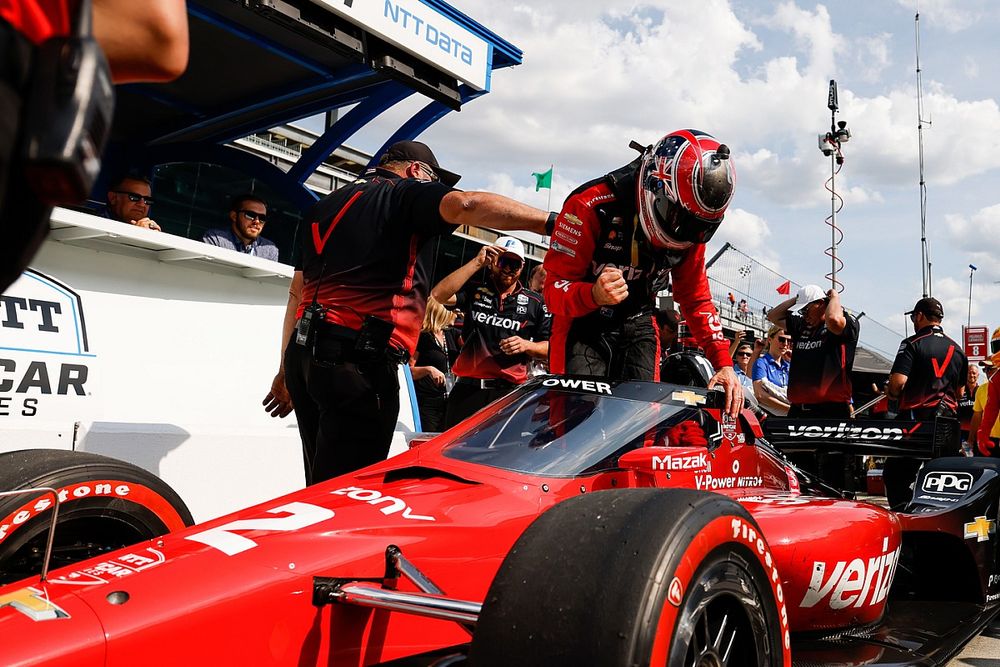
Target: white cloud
[(952, 15)]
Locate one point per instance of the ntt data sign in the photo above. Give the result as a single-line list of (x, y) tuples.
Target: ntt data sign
[(45, 357), (422, 31)]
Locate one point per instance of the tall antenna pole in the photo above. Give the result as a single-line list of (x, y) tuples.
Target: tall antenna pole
[(831, 145), (925, 259)]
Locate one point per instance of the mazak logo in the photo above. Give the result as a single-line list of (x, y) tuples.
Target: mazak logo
[(684, 462), (957, 483), (854, 583), (842, 430), (493, 320)]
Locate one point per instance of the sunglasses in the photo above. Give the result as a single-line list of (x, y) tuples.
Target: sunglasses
[(426, 168), (254, 216), (134, 197), (787, 340), (509, 263), (744, 354)]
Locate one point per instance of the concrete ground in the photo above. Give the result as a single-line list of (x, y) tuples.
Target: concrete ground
[(983, 651)]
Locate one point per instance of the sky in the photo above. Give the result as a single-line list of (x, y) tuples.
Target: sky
[(599, 73)]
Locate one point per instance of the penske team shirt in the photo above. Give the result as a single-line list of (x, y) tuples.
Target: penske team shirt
[(359, 249), (820, 371), (487, 320), (935, 367)]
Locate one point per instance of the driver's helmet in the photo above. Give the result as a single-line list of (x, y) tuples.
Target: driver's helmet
[(995, 348), (685, 183)]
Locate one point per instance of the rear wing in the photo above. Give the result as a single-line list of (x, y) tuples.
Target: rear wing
[(929, 438)]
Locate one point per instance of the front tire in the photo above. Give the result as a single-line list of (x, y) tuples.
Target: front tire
[(106, 505), (636, 577)]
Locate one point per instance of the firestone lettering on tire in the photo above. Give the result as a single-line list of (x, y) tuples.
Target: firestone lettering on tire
[(748, 534)]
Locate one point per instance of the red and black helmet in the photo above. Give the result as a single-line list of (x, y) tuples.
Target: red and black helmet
[(685, 183)]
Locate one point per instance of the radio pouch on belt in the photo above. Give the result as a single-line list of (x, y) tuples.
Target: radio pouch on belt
[(373, 338), (67, 114)]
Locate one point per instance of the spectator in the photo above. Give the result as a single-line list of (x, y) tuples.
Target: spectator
[(361, 284), (505, 327), (985, 439), (979, 406), (742, 358), (927, 379), (142, 42), (770, 373), (247, 217), (744, 310), (619, 240), (431, 365), (536, 281), (129, 200), (732, 304), (824, 340)]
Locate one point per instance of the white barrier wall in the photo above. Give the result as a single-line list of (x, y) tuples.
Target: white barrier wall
[(156, 350)]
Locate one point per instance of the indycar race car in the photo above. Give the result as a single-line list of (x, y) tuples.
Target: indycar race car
[(573, 522)]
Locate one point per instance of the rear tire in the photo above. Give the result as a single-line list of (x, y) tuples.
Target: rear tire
[(108, 504), (636, 577)]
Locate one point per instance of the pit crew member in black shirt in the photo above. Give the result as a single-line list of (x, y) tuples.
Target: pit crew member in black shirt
[(824, 339), (927, 379), (356, 302), (618, 241), (505, 326)]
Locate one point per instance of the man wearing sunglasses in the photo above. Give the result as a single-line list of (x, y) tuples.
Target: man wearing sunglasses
[(357, 298), (247, 217), (927, 379), (505, 326), (129, 200), (623, 238)]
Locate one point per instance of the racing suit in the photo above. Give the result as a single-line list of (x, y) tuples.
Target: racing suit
[(987, 446), (597, 228)]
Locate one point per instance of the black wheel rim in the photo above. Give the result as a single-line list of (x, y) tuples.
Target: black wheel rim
[(82, 532), (723, 622)]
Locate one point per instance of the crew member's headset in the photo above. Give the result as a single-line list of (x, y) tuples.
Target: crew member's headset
[(67, 115)]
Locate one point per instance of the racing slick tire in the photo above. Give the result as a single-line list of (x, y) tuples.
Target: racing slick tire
[(105, 504), (636, 577)]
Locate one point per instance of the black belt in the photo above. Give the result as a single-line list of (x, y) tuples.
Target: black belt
[(336, 344), (486, 383)]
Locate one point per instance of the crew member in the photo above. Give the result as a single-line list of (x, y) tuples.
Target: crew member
[(987, 438), (358, 295), (824, 339), (926, 379), (505, 326), (617, 242), (142, 42)]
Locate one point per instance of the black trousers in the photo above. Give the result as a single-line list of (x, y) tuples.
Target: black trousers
[(346, 411), (629, 352), (834, 468), (432, 407), (467, 398), (24, 221)]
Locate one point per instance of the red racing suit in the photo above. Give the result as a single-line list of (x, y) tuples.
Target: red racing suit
[(597, 228), (990, 412)]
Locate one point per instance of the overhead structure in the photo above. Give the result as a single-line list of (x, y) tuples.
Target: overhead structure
[(258, 63)]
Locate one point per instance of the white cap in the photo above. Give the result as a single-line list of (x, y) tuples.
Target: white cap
[(511, 245), (807, 294)]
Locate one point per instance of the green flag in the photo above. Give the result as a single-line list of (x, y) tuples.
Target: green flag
[(543, 180)]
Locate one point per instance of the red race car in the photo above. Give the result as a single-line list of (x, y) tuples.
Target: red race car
[(573, 522)]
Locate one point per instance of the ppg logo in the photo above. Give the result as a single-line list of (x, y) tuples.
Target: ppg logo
[(947, 482)]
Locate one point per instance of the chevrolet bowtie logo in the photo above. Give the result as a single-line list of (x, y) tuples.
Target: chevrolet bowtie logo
[(33, 603), (688, 397), (981, 529)]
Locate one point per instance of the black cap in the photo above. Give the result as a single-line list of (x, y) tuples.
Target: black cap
[(415, 151), (929, 306)]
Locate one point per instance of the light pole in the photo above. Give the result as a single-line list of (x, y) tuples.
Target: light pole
[(972, 270)]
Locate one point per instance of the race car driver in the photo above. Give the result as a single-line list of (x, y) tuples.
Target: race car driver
[(504, 327), (618, 241), (986, 441)]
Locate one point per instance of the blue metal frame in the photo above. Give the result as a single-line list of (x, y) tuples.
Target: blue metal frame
[(388, 94)]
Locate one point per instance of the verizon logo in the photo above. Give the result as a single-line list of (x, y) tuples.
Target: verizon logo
[(842, 430), (854, 583)]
